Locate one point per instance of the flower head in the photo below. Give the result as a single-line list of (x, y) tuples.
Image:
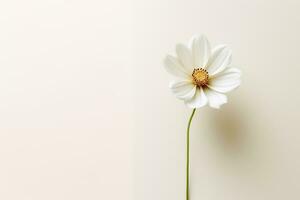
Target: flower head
[(203, 75)]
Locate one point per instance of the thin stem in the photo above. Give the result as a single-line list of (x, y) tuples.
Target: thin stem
[(188, 154)]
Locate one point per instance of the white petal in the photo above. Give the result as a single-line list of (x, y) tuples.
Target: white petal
[(183, 89), (215, 99), (174, 67), (228, 74), (226, 81), (220, 59), (185, 56), (201, 51), (199, 100), (225, 88)]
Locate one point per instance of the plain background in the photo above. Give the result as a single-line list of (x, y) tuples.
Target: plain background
[(65, 100), (85, 111)]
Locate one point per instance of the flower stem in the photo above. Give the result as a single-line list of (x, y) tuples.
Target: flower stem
[(188, 154)]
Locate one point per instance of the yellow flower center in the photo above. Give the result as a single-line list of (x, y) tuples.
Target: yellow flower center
[(200, 77)]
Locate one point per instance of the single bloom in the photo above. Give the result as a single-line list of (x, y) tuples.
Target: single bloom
[(203, 73)]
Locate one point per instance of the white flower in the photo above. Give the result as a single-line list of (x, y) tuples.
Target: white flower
[(204, 74)]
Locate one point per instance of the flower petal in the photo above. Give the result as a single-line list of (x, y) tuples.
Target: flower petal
[(199, 99), (185, 56), (215, 99), (183, 89), (201, 51), (228, 72), (226, 81), (220, 59), (174, 67)]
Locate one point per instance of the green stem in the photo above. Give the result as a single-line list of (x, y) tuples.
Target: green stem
[(188, 154)]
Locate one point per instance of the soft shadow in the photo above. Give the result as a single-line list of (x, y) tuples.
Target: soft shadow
[(231, 132), (230, 127)]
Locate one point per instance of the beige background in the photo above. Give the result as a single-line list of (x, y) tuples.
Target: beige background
[(85, 112), (65, 100)]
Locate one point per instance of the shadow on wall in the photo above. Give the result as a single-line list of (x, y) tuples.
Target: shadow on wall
[(230, 127), (235, 136)]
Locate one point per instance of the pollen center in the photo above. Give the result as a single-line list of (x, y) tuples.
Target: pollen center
[(200, 77)]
